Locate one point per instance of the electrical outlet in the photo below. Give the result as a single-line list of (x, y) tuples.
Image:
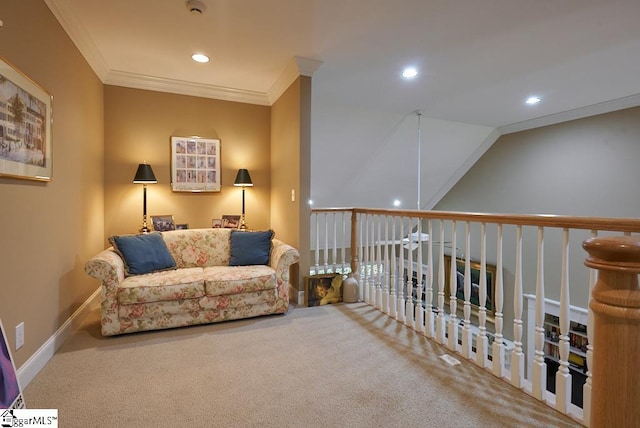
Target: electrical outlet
[(293, 195), (19, 335)]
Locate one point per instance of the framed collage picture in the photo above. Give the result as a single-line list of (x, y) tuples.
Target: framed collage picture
[(195, 164)]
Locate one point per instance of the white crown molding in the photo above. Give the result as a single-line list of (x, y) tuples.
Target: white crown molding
[(63, 12), (298, 66), (139, 81), (578, 113), (307, 66)]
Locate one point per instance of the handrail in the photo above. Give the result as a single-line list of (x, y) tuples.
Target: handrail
[(615, 224)]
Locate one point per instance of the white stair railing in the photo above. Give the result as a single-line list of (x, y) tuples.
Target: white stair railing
[(469, 320)]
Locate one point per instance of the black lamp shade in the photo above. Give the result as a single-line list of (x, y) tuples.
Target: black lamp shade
[(144, 174), (243, 178)]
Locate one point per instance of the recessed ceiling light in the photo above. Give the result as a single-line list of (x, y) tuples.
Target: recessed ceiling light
[(533, 100), (200, 58), (409, 73), (397, 203)]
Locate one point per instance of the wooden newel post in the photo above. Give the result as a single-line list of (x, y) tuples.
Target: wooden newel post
[(615, 303)]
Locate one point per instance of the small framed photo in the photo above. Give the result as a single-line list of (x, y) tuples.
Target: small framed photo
[(163, 223), (182, 226), (231, 221), (216, 223)]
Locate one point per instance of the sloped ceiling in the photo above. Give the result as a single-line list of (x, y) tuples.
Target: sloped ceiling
[(478, 61)]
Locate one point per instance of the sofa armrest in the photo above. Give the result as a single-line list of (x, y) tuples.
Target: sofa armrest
[(108, 268), (282, 257)]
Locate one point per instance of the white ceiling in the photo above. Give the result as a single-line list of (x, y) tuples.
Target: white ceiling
[(478, 59)]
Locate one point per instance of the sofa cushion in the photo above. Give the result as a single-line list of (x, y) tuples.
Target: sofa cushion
[(221, 280), (250, 248), (198, 247), (176, 284), (143, 253)]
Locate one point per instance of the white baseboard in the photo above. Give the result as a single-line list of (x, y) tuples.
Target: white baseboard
[(28, 371)]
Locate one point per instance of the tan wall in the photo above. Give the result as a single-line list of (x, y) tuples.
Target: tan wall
[(138, 128), (50, 229), (290, 162)]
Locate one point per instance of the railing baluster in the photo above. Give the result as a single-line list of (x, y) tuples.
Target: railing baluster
[(408, 312), (317, 252), (334, 249), (400, 315), (498, 345), (539, 381), (366, 261), (587, 388), (343, 261), (428, 311), (517, 355), (372, 263), (326, 243), (385, 288), (482, 341), (362, 256), (563, 376), (419, 316), (466, 328), (379, 276), (440, 320), (393, 302), (453, 287)]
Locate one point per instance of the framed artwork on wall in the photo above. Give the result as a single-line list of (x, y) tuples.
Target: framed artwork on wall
[(216, 223), (195, 164), (25, 127), (475, 284)]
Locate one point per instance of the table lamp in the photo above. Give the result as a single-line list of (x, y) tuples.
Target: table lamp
[(144, 176), (243, 179)]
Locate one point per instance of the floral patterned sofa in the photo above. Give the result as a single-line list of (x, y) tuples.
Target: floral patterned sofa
[(201, 286)]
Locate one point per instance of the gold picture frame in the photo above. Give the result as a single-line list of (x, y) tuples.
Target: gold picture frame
[(25, 128)]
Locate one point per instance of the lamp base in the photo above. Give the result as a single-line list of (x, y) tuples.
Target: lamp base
[(144, 228), (243, 224)]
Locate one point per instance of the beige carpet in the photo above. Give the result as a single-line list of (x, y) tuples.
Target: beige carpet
[(330, 366)]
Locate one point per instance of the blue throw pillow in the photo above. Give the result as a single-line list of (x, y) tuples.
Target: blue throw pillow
[(250, 248), (143, 253)]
